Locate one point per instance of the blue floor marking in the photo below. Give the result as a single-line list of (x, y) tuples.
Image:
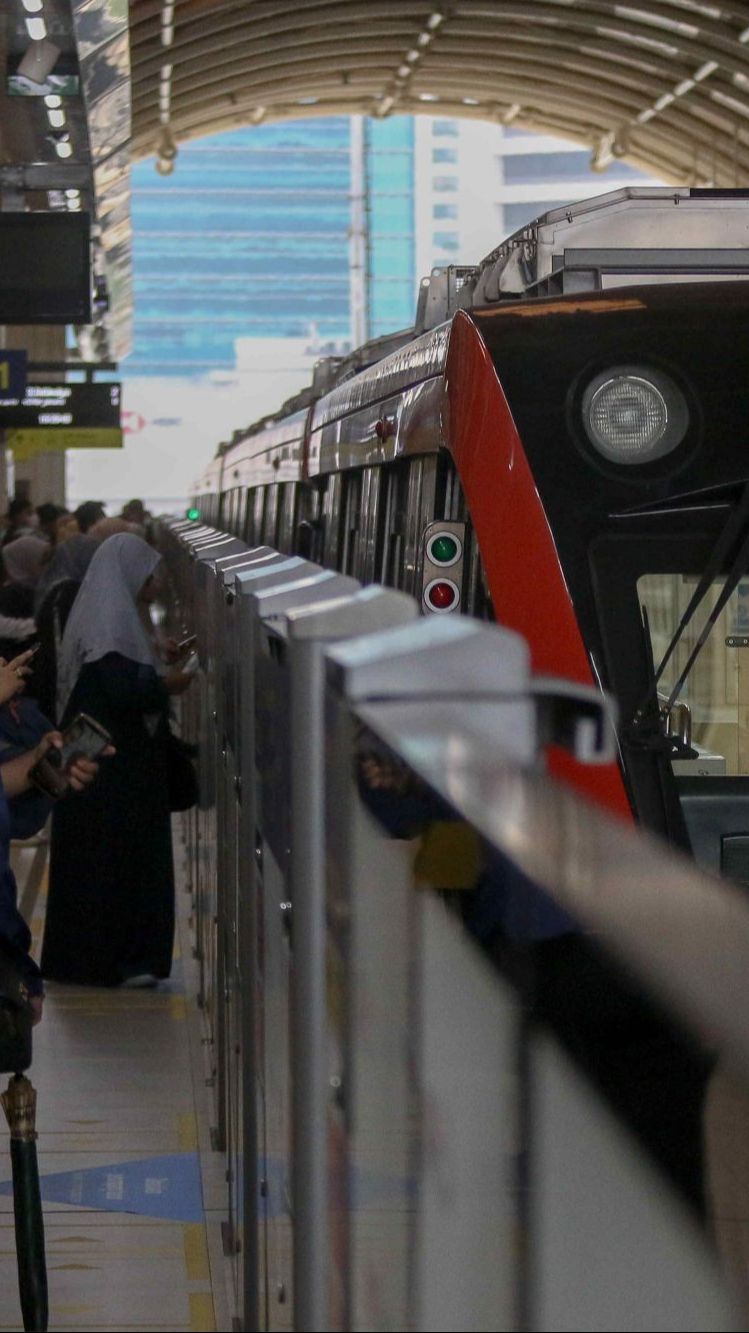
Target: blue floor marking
[(167, 1187)]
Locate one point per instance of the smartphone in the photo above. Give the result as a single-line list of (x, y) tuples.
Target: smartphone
[(84, 738), (187, 644)]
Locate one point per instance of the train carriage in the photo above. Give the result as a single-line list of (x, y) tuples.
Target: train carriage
[(562, 449)]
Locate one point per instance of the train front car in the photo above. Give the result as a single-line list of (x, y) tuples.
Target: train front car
[(599, 436)]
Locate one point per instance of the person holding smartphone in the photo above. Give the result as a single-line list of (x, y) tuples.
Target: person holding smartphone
[(15, 784), (110, 914)]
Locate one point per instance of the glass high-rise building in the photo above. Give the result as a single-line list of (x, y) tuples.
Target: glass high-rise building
[(250, 237)]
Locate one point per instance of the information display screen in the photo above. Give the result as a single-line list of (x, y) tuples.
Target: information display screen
[(63, 406), (45, 268)]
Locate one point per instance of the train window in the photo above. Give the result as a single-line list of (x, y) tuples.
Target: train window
[(239, 514), (255, 508), (716, 689), (370, 524), (421, 508), (308, 538), (286, 511), (270, 514), (352, 488), (332, 515)]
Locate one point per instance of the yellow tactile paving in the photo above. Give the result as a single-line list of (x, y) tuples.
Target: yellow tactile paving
[(123, 1116)]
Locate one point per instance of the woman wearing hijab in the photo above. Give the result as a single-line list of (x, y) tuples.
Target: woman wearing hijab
[(55, 593), (110, 915), (22, 562)]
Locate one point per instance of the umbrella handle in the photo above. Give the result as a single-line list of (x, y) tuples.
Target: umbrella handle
[(19, 1104)]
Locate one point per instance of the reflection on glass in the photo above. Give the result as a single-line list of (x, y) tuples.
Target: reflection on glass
[(717, 687)]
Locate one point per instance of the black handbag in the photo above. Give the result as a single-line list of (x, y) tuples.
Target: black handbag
[(16, 1017), (181, 776)]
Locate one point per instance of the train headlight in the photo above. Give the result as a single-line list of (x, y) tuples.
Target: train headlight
[(634, 414)]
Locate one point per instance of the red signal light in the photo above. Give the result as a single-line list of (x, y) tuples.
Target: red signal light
[(441, 595)]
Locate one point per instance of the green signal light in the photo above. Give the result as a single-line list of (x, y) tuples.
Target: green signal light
[(193, 514), (444, 550)]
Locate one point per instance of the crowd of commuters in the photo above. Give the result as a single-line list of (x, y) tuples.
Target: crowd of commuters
[(77, 637)]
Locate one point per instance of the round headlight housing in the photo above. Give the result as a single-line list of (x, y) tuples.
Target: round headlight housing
[(634, 415)]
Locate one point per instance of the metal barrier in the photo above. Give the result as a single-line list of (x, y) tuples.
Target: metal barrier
[(410, 1143)]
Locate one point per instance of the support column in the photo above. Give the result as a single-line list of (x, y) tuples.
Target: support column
[(359, 234)]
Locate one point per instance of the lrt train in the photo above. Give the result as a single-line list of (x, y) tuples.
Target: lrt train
[(559, 443)]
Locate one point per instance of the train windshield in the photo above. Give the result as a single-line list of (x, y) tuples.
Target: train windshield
[(716, 688)]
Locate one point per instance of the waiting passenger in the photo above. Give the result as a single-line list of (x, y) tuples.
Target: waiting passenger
[(22, 564), (49, 516), (21, 521), (15, 937), (55, 593), (89, 513), (110, 916), (109, 527)]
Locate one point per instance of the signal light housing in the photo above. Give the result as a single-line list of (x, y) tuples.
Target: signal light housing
[(442, 567)]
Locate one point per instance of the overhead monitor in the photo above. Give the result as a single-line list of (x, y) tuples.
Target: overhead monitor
[(45, 268), (63, 406)]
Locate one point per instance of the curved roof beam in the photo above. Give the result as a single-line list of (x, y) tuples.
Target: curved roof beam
[(667, 80)]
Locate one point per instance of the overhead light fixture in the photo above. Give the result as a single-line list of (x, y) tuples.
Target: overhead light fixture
[(56, 118), (435, 20), (64, 148), (404, 71), (424, 38), (428, 97), (385, 105), (72, 194), (413, 56), (37, 29), (32, 6), (166, 152), (52, 100)]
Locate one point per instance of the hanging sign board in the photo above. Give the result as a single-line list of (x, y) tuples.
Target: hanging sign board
[(28, 443), (60, 406)]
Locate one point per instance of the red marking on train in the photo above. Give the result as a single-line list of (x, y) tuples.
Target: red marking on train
[(528, 588)]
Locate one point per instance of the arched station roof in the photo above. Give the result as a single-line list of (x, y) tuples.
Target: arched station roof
[(664, 83)]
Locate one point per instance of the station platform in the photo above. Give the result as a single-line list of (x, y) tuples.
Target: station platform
[(131, 1189)]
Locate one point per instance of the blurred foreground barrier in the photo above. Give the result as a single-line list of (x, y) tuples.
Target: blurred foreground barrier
[(468, 1036)]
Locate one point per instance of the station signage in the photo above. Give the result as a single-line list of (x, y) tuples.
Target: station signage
[(49, 440), (62, 407)]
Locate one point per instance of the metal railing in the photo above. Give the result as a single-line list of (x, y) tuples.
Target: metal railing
[(468, 1033)]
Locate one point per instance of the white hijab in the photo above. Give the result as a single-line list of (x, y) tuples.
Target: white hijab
[(105, 617)]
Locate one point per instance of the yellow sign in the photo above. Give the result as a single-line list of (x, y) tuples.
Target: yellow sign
[(27, 443)]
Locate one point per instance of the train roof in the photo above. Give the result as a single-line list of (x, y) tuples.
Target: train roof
[(636, 235)]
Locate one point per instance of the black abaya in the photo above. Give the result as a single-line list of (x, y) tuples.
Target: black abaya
[(110, 913)]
